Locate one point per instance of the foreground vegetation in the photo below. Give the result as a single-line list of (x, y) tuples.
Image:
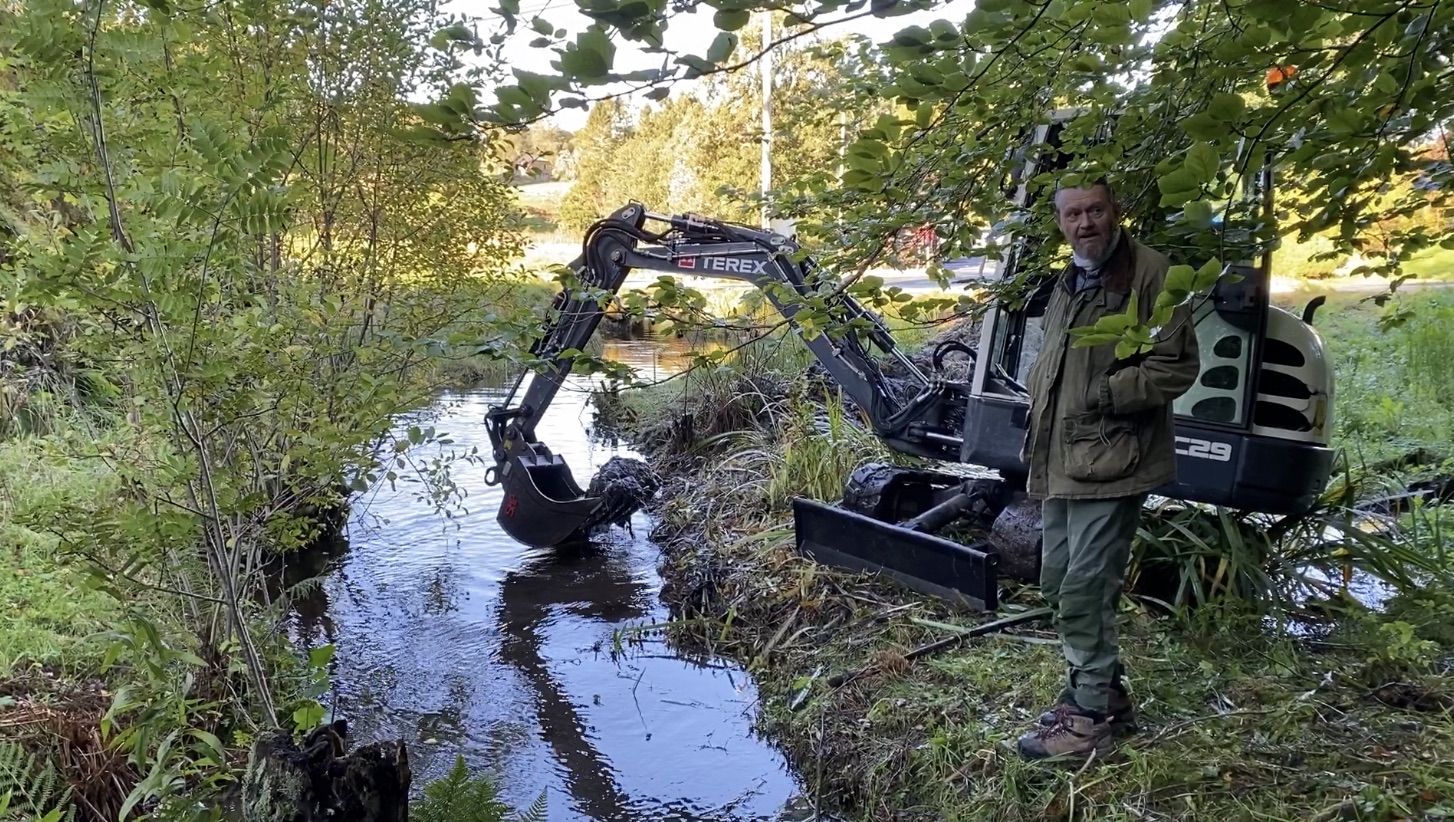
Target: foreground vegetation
[(1265, 690), (226, 269)]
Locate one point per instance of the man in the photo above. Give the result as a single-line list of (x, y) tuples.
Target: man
[(1100, 438)]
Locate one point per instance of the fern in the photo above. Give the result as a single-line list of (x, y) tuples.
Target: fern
[(28, 790), (458, 797), (536, 812)]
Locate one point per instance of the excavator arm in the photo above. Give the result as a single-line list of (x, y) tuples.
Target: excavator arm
[(544, 506)]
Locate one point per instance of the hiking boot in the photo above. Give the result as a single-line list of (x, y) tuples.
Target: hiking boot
[(1121, 711), (1074, 733)]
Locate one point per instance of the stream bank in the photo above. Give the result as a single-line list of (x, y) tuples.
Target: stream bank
[(1237, 721)]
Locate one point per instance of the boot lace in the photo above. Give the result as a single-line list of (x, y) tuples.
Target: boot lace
[(1062, 724)]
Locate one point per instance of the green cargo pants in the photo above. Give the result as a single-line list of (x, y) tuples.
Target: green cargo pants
[(1086, 548)]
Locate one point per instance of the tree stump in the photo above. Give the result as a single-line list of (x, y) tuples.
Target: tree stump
[(314, 781)]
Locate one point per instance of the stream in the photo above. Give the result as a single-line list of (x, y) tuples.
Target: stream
[(452, 636)]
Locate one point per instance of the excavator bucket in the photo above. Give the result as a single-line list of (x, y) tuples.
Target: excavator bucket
[(963, 574), (542, 505)]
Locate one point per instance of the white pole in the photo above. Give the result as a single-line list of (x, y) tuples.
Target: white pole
[(766, 182)]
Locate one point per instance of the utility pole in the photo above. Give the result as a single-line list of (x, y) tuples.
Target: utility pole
[(766, 66), (842, 152)]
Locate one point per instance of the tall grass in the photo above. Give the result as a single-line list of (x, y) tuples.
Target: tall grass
[(1190, 556), (1394, 380), (52, 612), (1428, 342)]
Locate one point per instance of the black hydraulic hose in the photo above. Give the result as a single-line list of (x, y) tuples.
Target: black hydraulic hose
[(897, 420), (945, 347)]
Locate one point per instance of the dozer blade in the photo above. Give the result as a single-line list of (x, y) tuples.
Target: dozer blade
[(960, 574), (542, 505)]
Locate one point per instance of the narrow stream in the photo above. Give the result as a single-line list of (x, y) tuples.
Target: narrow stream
[(459, 640)]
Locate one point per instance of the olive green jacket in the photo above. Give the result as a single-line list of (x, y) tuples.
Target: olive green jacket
[(1100, 427)]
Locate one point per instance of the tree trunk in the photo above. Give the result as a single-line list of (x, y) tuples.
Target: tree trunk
[(316, 781)]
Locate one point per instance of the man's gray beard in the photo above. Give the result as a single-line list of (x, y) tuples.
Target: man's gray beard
[(1094, 265)]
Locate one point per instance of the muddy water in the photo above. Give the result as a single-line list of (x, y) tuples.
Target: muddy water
[(459, 640)]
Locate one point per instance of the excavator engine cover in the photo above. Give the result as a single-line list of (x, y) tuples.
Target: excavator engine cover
[(962, 574), (542, 505)]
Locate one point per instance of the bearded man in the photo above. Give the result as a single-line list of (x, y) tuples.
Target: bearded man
[(1100, 438)]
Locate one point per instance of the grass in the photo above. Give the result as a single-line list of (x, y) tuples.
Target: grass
[(1431, 264), (1295, 260), (1395, 385), (1349, 718), (48, 614)]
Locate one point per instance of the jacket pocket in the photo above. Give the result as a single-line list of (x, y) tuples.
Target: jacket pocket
[(1100, 448)]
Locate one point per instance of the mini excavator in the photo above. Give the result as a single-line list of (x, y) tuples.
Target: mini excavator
[(1251, 434)]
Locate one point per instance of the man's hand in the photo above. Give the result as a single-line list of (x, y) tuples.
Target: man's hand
[(1157, 377)]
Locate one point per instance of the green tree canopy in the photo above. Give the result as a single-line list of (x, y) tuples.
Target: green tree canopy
[(1344, 99)]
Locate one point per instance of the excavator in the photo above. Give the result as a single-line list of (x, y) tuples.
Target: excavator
[(1252, 434)]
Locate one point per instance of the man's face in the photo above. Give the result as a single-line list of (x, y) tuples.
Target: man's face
[(1087, 217)]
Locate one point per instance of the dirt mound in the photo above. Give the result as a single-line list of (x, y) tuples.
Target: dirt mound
[(627, 484)]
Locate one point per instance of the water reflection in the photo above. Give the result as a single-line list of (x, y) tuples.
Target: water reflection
[(458, 639)]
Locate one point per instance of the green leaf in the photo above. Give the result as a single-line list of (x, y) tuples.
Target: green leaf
[(211, 741), (913, 37), (543, 26), (1202, 160), (731, 19), (1180, 279), (1226, 107), (1203, 126), (1110, 14), (308, 716), (944, 31), (513, 96), (591, 56), (437, 114), (1178, 187), (320, 656), (1141, 10), (1345, 121), (1128, 348), (722, 46), (1089, 338), (537, 86), (1207, 275), (696, 65), (658, 93), (1199, 213)]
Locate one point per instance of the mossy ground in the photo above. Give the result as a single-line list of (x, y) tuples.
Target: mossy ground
[(1239, 719)]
